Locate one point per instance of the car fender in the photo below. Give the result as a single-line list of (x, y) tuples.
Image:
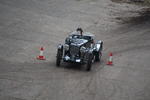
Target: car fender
[(98, 46), (60, 47)]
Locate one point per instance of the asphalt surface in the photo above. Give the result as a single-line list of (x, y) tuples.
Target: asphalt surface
[(26, 25)]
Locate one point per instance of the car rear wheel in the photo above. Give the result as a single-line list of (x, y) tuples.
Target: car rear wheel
[(58, 57)]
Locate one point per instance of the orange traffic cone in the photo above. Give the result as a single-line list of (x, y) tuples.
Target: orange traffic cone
[(41, 57), (110, 62)]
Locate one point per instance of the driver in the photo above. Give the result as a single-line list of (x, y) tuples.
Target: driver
[(79, 31)]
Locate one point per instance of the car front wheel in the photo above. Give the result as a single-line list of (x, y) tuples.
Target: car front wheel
[(58, 57), (89, 62)]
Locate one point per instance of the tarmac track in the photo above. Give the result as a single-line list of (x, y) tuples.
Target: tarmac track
[(25, 25)]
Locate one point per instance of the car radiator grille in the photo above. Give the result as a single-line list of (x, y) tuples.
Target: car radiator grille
[(74, 50)]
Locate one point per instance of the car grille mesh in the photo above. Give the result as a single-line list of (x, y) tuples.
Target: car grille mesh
[(74, 50)]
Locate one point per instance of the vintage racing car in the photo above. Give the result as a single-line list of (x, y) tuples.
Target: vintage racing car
[(81, 49)]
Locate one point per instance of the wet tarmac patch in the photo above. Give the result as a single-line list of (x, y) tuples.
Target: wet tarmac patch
[(118, 0), (128, 1), (10, 98), (142, 17)]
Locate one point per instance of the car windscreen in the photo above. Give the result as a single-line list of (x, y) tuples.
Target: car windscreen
[(79, 41), (87, 37), (81, 37)]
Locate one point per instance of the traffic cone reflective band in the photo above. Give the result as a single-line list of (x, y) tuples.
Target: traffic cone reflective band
[(41, 57), (110, 62)]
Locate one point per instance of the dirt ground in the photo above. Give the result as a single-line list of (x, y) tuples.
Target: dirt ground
[(26, 25)]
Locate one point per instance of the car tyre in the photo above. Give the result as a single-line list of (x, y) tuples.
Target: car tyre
[(98, 56), (89, 62), (58, 57)]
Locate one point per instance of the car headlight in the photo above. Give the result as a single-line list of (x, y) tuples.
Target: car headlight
[(82, 49), (66, 47)]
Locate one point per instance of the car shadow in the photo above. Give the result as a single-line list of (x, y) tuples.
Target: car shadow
[(96, 66), (73, 66)]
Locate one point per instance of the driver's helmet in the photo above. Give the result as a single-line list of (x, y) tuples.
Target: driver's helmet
[(79, 30)]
